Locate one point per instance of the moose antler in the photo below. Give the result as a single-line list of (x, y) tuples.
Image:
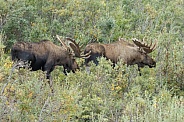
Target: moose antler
[(76, 48), (62, 42), (73, 45), (146, 48)]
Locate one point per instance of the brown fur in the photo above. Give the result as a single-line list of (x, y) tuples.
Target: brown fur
[(129, 53), (44, 55)]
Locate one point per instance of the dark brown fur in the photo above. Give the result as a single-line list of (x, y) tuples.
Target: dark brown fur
[(44, 55)]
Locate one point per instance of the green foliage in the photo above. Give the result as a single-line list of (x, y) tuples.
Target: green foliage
[(100, 93), (103, 94)]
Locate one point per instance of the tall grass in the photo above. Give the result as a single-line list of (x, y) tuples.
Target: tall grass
[(101, 93)]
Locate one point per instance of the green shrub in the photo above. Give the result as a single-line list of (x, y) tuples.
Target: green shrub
[(103, 93)]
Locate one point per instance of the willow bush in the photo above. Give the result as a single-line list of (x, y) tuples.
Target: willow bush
[(97, 93)]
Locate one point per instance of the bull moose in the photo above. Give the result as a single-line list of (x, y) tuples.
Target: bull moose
[(45, 55), (129, 53)]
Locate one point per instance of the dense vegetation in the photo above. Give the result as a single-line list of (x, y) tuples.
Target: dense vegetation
[(105, 94)]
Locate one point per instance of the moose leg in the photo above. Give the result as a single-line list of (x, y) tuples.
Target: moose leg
[(50, 81), (139, 71), (49, 68), (95, 58), (65, 71), (92, 58)]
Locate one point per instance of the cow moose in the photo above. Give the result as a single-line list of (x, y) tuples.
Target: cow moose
[(129, 53), (45, 55)]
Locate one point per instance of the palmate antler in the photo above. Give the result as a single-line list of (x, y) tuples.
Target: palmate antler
[(73, 45), (67, 47), (76, 48), (145, 47), (62, 42)]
